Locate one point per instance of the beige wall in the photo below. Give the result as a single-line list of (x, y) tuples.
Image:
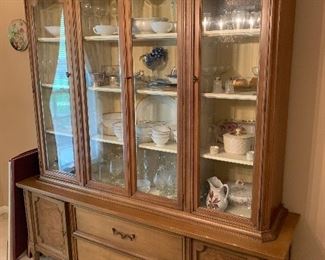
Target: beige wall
[(17, 128), (304, 187)]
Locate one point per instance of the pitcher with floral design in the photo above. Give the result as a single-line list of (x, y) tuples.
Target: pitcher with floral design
[(217, 197)]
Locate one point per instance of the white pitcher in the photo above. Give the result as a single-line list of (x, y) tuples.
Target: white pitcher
[(217, 197)]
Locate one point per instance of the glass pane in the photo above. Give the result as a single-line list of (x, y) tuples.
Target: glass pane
[(229, 68), (55, 86), (102, 76), (155, 86)]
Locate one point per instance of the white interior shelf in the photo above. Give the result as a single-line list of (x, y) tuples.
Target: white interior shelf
[(107, 139), (51, 39), (60, 133), (250, 95), (142, 36), (168, 148), (106, 89), (239, 210), (227, 157), (237, 32), (97, 38), (56, 87), (158, 92)]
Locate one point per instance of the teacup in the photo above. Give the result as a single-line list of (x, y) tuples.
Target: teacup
[(161, 26), (105, 29)]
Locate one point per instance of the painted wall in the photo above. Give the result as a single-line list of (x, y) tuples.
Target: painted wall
[(304, 187), (304, 184), (17, 128)]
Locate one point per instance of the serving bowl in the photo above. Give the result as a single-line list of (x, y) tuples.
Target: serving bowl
[(53, 30), (161, 26)]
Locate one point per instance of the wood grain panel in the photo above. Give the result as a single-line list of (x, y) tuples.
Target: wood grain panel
[(88, 250), (128, 236), (50, 226), (202, 251)]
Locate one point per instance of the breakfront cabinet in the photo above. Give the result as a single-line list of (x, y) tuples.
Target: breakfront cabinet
[(161, 128)]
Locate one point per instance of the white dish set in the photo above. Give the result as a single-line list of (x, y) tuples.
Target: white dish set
[(156, 121)]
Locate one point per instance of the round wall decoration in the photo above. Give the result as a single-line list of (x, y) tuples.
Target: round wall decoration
[(17, 33)]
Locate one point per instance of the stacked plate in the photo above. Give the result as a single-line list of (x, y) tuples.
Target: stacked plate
[(160, 134), (108, 120)]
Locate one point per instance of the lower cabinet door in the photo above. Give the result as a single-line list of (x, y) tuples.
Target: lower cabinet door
[(202, 251), (50, 226), (91, 251)]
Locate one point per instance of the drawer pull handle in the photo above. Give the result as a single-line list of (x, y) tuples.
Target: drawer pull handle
[(131, 237)]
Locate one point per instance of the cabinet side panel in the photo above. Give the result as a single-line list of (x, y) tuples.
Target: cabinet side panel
[(280, 70)]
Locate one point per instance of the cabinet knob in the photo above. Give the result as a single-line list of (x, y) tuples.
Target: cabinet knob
[(195, 79), (68, 74)]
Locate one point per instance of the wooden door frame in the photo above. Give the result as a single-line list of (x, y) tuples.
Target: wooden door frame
[(33, 54)]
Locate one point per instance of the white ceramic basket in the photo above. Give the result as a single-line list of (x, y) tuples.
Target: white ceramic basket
[(238, 143)]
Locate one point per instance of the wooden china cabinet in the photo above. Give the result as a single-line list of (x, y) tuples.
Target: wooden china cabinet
[(161, 128)]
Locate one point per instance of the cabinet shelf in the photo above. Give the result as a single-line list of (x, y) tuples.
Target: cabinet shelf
[(251, 95), (233, 33), (51, 39), (106, 89), (168, 148), (172, 92), (55, 87), (59, 133), (227, 157), (107, 139), (137, 37)]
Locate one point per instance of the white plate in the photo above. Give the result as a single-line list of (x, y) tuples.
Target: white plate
[(157, 108)]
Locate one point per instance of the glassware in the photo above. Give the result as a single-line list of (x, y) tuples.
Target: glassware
[(217, 85), (229, 87), (116, 167), (206, 23), (239, 18)]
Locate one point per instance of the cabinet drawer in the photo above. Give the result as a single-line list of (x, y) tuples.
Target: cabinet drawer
[(203, 251), (88, 250), (143, 241)]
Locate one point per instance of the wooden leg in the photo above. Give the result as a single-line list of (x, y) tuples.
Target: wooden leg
[(37, 256)]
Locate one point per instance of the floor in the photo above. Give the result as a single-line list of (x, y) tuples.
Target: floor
[(4, 238)]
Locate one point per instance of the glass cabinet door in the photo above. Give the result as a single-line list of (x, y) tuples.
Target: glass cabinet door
[(154, 54), (229, 62), (55, 85), (102, 85)]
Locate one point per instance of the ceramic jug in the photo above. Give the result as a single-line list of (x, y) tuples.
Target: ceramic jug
[(217, 197)]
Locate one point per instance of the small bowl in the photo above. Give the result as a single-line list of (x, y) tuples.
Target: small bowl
[(143, 25), (172, 80), (160, 141), (105, 29), (143, 185), (162, 26), (53, 30)]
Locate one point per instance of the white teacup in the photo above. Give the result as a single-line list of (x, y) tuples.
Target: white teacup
[(105, 29), (161, 26)]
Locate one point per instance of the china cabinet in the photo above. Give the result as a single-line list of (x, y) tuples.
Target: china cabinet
[(161, 128)]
